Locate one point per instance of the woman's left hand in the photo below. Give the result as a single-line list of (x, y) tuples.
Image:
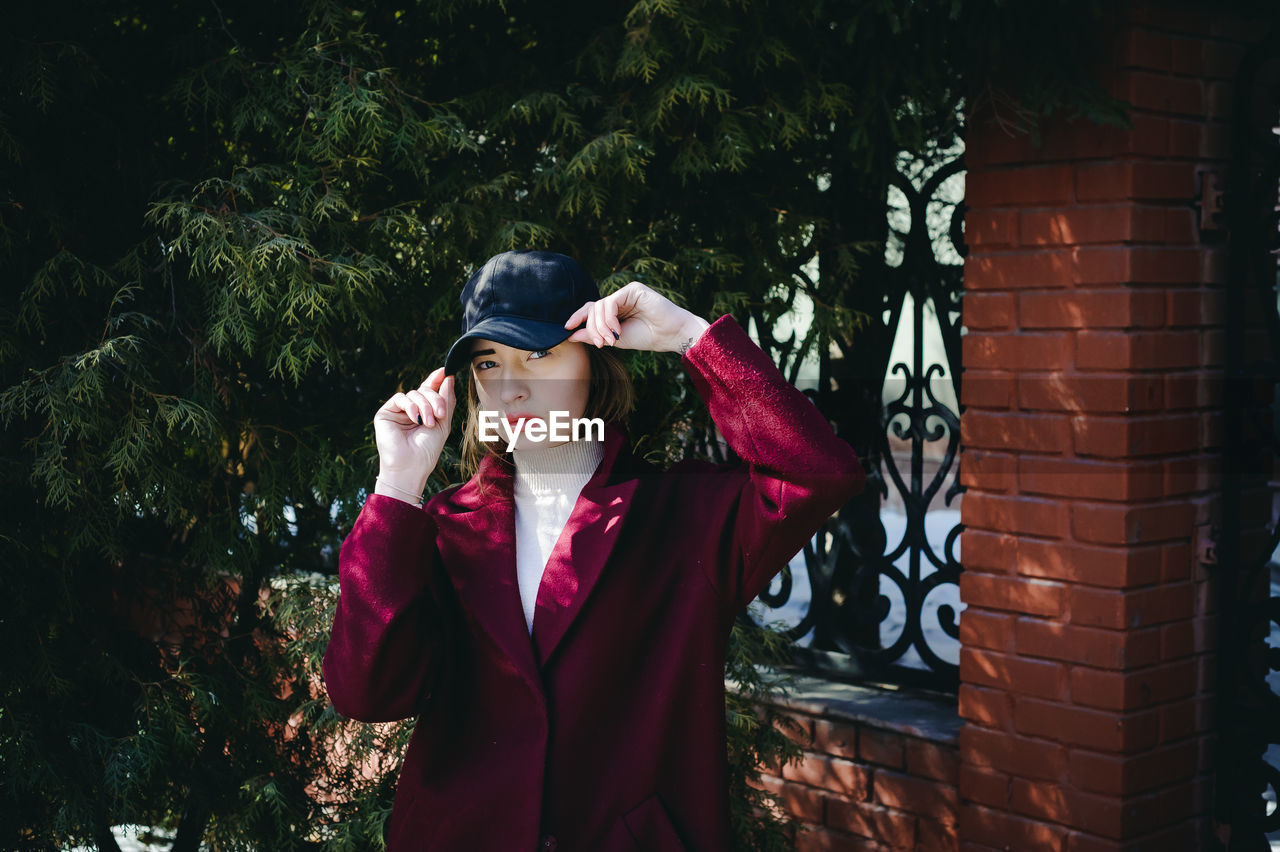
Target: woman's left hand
[(636, 317)]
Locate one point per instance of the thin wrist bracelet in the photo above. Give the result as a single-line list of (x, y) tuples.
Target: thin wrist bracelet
[(417, 497)]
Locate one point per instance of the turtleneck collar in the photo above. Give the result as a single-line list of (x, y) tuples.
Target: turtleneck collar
[(547, 470), (499, 473)]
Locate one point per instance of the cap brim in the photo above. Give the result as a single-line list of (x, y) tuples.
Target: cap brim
[(519, 332)]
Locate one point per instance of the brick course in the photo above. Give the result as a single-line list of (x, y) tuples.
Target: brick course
[(1094, 312), (867, 786), (1091, 438)]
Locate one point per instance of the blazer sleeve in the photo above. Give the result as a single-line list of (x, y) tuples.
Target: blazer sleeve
[(385, 645), (795, 472)]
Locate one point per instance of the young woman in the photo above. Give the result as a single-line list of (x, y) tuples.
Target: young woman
[(558, 623)]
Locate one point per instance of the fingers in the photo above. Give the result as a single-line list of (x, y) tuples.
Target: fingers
[(596, 324), (602, 327), (398, 409), (433, 381), (578, 316), (444, 401), (590, 333), (435, 399), (414, 406), (427, 407), (611, 319), (450, 397)]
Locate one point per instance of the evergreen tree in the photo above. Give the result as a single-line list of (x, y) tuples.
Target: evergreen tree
[(231, 230)]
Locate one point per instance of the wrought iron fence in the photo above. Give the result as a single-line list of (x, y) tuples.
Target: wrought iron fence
[(875, 595)]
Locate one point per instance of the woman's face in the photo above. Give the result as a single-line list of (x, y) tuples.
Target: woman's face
[(518, 382)]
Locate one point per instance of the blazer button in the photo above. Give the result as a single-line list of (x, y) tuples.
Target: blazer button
[(548, 843)]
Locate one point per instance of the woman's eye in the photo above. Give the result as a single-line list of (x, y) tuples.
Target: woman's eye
[(481, 364), (540, 353)]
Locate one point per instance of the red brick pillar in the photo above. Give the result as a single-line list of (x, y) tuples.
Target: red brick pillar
[(1090, 430)]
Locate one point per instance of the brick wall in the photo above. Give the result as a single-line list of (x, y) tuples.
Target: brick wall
[(1091, 451), (870, 784)]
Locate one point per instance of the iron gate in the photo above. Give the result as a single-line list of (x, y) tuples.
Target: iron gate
[(878, 593)]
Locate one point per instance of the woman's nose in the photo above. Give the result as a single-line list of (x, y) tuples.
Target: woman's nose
[(513, 390)]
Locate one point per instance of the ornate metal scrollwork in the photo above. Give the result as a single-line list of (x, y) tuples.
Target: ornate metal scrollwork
[(906, 590)]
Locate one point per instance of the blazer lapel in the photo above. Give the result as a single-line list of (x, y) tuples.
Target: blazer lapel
[(478, 533), (481, 562), (578, 558)]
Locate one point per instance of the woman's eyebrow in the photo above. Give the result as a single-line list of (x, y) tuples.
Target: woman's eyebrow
[(480, 352)]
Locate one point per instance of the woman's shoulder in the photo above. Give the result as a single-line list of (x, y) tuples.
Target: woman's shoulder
[(458, 497), (692, 473)]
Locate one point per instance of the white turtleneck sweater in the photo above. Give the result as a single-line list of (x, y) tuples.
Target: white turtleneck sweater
[(548, 481)]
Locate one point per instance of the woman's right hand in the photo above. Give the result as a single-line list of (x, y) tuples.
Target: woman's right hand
[(410, 429)]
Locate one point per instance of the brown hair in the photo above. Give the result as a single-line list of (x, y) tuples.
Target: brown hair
[(610, 397)]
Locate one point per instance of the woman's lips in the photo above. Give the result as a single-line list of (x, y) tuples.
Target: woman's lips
[(513, 418)]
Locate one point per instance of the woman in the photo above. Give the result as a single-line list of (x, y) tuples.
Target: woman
[(596, 721)]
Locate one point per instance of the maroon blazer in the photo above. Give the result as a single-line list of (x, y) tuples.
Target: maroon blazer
[(605, 730)]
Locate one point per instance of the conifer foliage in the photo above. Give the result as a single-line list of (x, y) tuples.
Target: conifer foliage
[(231, 229)]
